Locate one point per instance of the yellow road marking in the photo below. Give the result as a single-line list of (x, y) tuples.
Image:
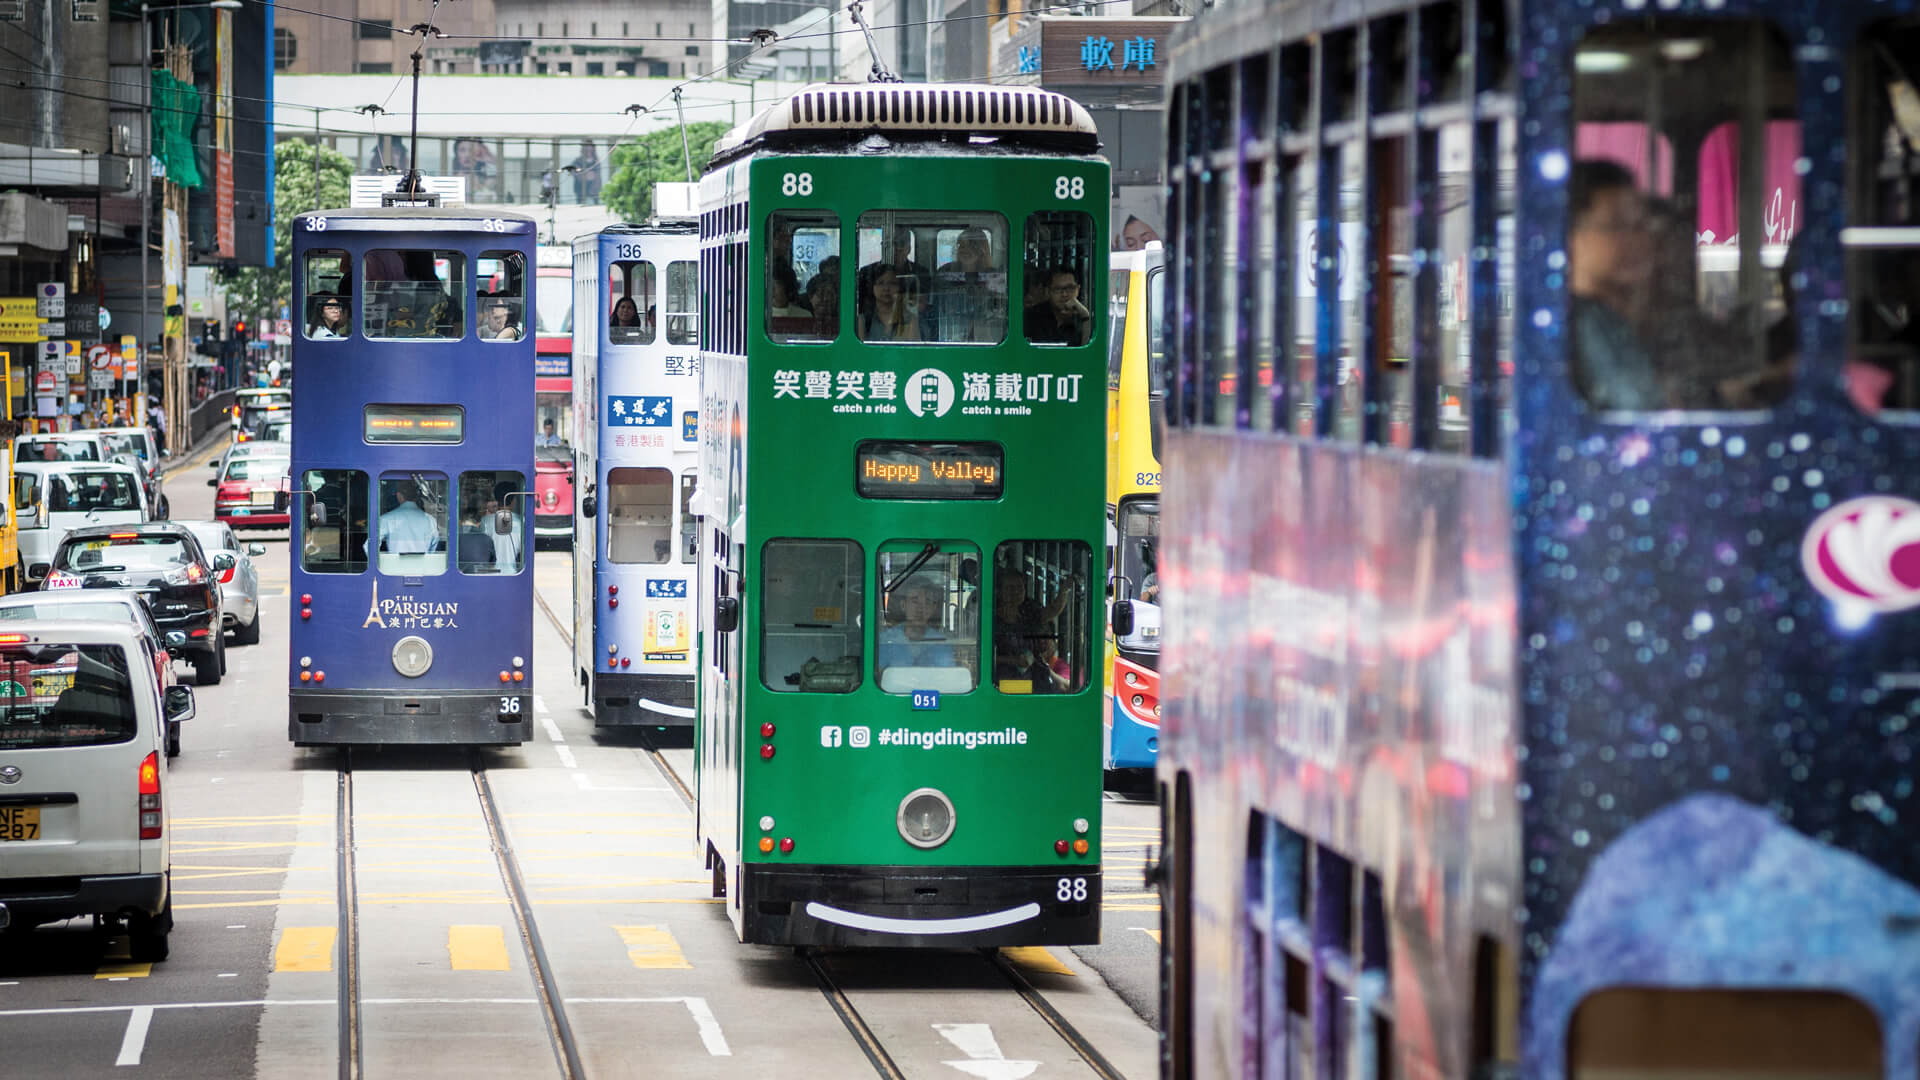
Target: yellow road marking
[(653, 947), (305, 948), (1036, 958), (123, 971), (477, 948), (1129, 907), (1154, 933)]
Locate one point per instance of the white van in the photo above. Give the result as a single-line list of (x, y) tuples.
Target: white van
[(52, 498), (83, 818)]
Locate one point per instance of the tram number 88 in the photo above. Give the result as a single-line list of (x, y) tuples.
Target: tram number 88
[(1069, 187), (796, 184), (1070, 890)]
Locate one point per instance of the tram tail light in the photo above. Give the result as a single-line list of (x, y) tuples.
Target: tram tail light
[(1059, 847), (766, 845), (319, 676), (519, 676), (626, 661), (613, 601), (150, 822), (1080, 846), (504, 677), (786, 845)]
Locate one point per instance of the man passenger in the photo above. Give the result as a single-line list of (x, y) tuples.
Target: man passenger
[(1060, 319)]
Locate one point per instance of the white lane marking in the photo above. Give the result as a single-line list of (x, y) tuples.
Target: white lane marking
[(984, 1058), (552, 729), (9, 983), (697, 1007), (539, 704), (135, 1041), (228, 975), (881, 924), (566, 755)]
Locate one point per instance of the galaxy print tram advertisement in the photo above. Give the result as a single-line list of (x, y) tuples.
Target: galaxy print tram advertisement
[(1539, 561)]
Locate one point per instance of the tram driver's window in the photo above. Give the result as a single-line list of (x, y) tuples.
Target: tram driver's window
[(639, 506), (683, 303), (415, 294), (928, 612), (333, 537), (1059, 291), (500, 296), (411, 529), (1042, 635), (1673, 263), (329, 293), (492, 538), (631, 310), (803, 276), (812, 594), (1883, 241)]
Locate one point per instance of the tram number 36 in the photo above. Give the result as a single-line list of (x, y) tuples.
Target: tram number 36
[(509, 706), (1068, 890)]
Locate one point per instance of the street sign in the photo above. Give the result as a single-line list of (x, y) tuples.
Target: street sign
[(53, 329), (53, 355), (53, 299), (98, 357), (284, 328), (76, 364), (106, 317), (44, 382), (100, 380)]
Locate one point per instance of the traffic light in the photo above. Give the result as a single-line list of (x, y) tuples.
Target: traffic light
[(210, 338), (240, 331)]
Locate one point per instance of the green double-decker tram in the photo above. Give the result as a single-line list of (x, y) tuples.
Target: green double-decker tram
[(902, 513)]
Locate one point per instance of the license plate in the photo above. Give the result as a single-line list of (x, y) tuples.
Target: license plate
[(263, 498), (19, 823)]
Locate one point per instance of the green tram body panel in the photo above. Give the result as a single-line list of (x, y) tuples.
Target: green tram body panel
[(838, 803)]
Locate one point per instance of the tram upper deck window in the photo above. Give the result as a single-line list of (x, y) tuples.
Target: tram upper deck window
[(683, 303), (414, 294), (803, 276), (812, 593), (932, 277), (1883, 240), (1059, 254), (631, 310), (329, 292), (1672, 261), (500, 301)]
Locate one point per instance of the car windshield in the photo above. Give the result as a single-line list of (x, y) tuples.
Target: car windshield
[(126, 444), (65, 695), (257, 468), (59, 450), (122, 553), (83, 491)]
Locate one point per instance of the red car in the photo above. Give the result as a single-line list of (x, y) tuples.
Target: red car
[(247, 490)]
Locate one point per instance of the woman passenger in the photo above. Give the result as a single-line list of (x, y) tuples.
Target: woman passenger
[(894, 314)]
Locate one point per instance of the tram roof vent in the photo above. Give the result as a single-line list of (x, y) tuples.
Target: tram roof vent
[(932, 108)]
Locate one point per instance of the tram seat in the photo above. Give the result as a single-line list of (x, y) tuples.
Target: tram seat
[(323, 541), (905, 680)]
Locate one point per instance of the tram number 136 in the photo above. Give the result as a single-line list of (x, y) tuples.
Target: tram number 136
[(1070, 890), (510, 706)]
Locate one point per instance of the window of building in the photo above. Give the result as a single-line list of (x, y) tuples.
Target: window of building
[(1883, 244), (1673, 273), (693, 50), (932, 277), (927, 616), (803, 276), (329, 294), (412, 524), (595, 67), (414, 294), (1059, 254), (565, 30), (1042, 638), (683, 303), (639, 507), (286, 48), (564, 67), (631, 311), (812, 595), (366, 67), (375, 29), (492, 534)]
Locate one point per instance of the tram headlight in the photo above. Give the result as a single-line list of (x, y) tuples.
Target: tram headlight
[(412, 656), (926, 818)]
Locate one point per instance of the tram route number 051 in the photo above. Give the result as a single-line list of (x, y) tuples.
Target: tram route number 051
[(1070, 890)]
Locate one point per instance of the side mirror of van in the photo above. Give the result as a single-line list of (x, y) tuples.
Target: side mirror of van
[(179, 704), (726, 614), (1121, 618)]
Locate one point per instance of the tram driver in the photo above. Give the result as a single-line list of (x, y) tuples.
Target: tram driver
[(918, 640), (406, 529)]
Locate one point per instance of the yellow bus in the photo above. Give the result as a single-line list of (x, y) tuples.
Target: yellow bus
[(13, 577), (1136, 414)]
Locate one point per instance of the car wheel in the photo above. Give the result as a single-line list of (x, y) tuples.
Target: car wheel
[(173, 738), (248, 633), (147, 934), (206, 669)]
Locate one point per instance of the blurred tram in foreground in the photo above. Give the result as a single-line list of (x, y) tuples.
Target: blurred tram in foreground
[(1565, 728), (900, 496), (637, 411), (412, 582)]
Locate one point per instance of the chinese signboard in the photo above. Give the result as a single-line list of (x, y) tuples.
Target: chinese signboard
[(1073, 51)]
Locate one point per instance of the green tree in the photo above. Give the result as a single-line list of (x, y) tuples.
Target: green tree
[(259, 292), (643, 161)]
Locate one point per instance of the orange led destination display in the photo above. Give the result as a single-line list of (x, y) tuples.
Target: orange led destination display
[(894, 469), (414, 423)]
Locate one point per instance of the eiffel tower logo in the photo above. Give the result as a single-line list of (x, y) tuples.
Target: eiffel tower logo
[(373, 609)]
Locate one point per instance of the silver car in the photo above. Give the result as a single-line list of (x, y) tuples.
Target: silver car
[(240, 586)]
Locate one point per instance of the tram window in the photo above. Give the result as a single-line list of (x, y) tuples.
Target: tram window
[(1304, 361), (1453, 335), (1156, 356), (803, 276), (639, 506), (1390, 253), (1219, 279), (683, 303), (1265, 181), (928, 631), (811, 593), (329, 294), (414, 294), (1672, 261), (334, 535), (1883, 244), (689, 523), (929, 277), (492, 536), (1118, 282), (631, 309), (411, 530), (1059, 253), (500, 301), (1042, 640), (1646, 1032)]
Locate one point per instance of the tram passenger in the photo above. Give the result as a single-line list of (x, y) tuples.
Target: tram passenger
[(783, 294), (893, 309), (474, 550), (547, 436), (1020, 624), (332, 322), (1609, 262), (823, 298), (917, 640), (969, 301), (896, 251), (625, 323), (1061, 319), (500, 324), (406, 529), (505, 534)]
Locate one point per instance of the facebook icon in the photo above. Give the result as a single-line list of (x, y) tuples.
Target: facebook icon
[(830, 735)]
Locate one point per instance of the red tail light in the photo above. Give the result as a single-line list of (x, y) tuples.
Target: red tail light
[(150, 797)]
